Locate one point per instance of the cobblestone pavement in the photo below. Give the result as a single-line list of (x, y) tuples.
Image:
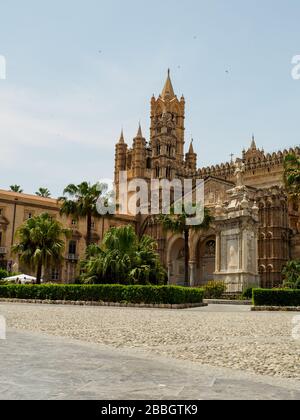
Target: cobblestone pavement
[(219, 336), (39, 367)]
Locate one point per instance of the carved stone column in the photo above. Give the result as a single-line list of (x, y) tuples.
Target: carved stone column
[(192, 265), (170, 269), (218, 251)]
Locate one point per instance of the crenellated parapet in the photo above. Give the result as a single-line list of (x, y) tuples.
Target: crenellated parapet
[(253, 161)]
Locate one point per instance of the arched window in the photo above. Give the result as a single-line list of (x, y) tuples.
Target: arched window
[(269, 214), (210, 248), (158, 150), (261, 245), (157, 171), (169, 172), (169, 150), (149, 163)]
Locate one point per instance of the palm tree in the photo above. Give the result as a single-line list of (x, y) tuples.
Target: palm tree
[(16, 189), (40, 243), (291, 273), (292, 174), (43, 192), (125, 259), (177, 223), (81, 201)]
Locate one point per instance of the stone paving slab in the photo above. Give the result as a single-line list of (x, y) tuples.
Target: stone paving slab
[(38, 367)]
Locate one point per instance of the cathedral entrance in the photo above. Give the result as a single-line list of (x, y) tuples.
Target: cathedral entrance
[(206, 260), (176, 262)]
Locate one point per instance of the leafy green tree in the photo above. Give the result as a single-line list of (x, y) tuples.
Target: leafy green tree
[(123, 258), (40, 243), (177, 223), (16, 189), (81, 201), (292, 174), (43, 192), (291, 273)]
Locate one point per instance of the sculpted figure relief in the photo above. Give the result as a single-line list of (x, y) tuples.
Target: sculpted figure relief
[(239, 173), (233, 258)]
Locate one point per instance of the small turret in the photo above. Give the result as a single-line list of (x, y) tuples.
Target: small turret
[(253, 151), (139, 154), (253, 143), (191, 158), (120, 157)]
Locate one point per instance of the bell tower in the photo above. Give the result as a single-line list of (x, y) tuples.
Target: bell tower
[(167, 130)]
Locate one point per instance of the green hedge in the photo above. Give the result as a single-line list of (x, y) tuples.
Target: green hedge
[(277, 297), (105, 293)]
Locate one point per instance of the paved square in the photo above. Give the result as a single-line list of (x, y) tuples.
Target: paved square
[(216, 352)]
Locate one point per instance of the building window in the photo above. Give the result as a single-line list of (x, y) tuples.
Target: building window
[(210, 248), (72, 247), (55, 274), (169, 172), (148, 163), (29, 215), (158, 150)]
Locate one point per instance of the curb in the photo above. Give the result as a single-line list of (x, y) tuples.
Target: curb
[(275, 309), (104, 304), (227, 302)]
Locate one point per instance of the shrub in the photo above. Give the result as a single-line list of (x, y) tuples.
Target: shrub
[(214, 289), (3, 274), (291, 273), (276, 297), (106, 293), (248, 293)]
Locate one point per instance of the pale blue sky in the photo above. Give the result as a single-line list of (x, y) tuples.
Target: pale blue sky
[(77, 71)]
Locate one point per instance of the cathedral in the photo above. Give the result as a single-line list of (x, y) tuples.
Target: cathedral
[(255, 229)]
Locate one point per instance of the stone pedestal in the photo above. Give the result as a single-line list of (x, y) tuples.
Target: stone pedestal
[(237, 243)]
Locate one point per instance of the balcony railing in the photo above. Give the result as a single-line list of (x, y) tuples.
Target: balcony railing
[(3, 250), (72, 257)]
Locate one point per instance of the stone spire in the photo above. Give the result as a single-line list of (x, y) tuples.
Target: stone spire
[(191, 158), (140, 133), (191, 149), (253, 143), (168, 91), (122, 141)]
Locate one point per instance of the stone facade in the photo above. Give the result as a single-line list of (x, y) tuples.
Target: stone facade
[(256, 229), (259, 244), (15, 209)]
